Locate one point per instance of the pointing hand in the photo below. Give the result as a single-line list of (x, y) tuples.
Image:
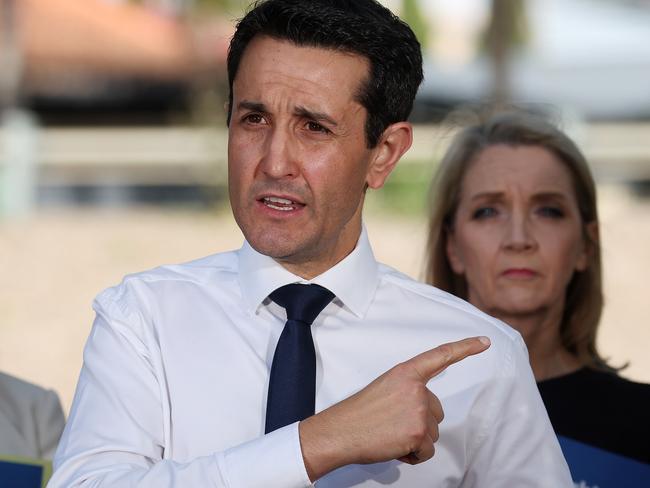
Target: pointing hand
[(394, 417)]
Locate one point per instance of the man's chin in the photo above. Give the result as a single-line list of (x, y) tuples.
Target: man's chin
[(280, 248)]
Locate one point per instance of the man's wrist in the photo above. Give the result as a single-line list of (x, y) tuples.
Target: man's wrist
[(321, 446)]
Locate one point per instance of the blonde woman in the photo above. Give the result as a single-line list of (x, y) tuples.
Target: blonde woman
[(514, 230)]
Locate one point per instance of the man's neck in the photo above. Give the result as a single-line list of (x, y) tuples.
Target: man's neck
[(309, 269)]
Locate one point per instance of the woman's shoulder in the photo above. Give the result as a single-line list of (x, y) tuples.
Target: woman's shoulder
[(601, 409), (592, 381)]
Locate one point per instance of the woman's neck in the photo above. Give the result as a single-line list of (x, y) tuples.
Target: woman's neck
[(541, 332)]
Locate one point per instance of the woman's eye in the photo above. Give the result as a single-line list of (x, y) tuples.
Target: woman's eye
[(552, 212), (316, 127), (483, 213)]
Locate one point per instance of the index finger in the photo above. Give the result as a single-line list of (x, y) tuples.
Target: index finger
[(432, 362)]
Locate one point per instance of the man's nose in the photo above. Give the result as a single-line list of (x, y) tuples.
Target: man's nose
[(280, 155), (518, 233)]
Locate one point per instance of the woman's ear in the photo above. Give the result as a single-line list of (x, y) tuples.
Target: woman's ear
[(394, 142), (453, 255), (590, 240)]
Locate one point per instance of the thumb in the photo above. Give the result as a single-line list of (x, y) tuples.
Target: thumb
[(432, 362)]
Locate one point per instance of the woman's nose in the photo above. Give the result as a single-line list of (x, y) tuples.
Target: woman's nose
[(518, 234)]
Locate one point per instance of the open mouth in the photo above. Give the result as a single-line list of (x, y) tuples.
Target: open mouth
[(281, 204)]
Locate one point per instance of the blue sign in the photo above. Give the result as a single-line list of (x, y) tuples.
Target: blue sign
[(20, 475), (592, 467)]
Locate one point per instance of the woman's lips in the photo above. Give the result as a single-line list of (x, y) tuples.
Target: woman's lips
[(519, 273)]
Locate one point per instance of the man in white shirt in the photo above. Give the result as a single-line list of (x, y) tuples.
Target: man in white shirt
[(173, 391)]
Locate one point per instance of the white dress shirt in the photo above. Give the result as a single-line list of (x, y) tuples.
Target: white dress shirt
[(175, 375)]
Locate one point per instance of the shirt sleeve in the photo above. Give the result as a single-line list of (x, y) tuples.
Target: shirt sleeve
[(118, 433), (516, 445)]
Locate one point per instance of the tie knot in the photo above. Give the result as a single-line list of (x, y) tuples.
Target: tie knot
[(302, 302)]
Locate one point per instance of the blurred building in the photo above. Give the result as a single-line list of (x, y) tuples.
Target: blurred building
[(97, 60)]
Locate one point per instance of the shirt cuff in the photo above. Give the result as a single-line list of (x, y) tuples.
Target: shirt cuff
[(272, 461)]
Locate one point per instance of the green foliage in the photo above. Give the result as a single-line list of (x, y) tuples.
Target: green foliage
[(229, 6), (406, 191), (413, 17), (222, 4)]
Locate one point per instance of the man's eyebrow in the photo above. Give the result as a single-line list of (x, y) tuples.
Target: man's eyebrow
[(254, 106), (312, 115)]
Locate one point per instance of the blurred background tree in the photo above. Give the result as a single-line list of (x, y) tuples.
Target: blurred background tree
[(412, 15), (507, 30)]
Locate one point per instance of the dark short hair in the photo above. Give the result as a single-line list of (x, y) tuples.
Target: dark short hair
[(361, 27)]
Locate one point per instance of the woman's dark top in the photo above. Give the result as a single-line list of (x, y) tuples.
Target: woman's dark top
[(602, 410)]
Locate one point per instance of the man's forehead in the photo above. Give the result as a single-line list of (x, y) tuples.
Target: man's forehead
[(272, 52), (301, 78)]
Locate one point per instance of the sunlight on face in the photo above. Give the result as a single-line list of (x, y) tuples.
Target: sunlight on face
[(517, 233), (298, 159)]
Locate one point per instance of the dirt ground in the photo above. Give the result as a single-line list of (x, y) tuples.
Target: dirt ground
[(53, 264)]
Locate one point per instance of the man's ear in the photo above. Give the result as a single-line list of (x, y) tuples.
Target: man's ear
[(394, 142)]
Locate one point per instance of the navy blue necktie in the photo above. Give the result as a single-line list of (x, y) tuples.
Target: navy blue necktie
[(292, 386)]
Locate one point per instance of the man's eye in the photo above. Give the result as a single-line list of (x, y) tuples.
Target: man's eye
[(483, 213), (316, 127), (254, 119)]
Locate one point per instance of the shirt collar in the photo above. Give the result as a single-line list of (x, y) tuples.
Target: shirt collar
[(353, 280)]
